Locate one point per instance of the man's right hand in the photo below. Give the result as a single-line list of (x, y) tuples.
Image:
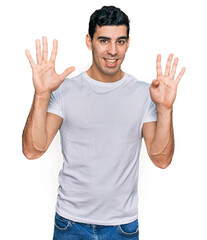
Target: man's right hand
[(45, 78)]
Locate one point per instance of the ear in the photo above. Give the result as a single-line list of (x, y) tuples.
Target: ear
[(88, 42)]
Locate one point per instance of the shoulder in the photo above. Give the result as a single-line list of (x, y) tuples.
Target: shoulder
[(73, 80), (137, 84), (72, 83)]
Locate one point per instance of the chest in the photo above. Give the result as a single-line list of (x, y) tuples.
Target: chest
[(115, 115)]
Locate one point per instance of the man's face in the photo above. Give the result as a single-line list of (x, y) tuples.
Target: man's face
[(108, 46)]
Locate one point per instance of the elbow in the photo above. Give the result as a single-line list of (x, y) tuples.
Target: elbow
[(31, 155), (28, 155), (30, 152), (161, 163), (162, 160)]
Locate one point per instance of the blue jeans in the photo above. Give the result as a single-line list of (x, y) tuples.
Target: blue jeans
[(69, 230)]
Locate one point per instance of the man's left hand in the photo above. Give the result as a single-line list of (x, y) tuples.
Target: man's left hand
[(163, 89)]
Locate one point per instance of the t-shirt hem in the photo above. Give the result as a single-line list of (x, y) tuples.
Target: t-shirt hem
[(54, 111), (150, 120), (108, 223)]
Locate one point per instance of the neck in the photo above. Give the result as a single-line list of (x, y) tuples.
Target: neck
[(99, 76)]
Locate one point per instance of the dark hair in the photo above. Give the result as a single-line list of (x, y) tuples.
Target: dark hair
[(107, 15)]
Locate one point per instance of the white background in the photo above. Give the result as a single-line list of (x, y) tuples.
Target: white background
[(172, 202)]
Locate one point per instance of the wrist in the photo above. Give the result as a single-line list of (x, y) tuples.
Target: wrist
[(42, 98), (42, 95), (163, 109)]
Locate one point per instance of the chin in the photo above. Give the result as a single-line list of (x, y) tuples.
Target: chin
[(111, 72)]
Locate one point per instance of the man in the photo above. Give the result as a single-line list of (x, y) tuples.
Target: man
[(102, 115)]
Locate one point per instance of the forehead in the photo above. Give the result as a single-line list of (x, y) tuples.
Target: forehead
[(111, 31)]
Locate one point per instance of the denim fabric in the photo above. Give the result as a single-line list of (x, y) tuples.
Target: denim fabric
[(69, 230)]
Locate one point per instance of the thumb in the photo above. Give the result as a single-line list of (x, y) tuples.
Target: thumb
[(67, 72), (155, 83)]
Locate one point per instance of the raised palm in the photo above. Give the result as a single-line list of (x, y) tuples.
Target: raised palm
[(45, 78), (163, 90)]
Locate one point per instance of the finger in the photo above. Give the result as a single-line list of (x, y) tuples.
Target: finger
[(45, 49), (158, 65), (38, 51), (168, 65), (30, 59), (177, 80), (54, 51), (174, 67), (66, 73)]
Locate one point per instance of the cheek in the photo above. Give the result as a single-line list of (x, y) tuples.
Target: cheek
[(122, 51), (99, 50)]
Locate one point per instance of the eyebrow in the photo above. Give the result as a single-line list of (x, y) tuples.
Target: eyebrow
[(107, 38)]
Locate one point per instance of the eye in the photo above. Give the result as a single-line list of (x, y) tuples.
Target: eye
[(121, 42), (103, 41)]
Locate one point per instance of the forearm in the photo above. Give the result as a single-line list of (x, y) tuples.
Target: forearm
[(162, 147), (34, 136)]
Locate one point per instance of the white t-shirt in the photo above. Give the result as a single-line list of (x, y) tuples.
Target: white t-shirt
[(101, 137)]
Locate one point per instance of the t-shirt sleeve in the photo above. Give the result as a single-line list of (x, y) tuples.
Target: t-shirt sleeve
[(151, 114), (55, 103)]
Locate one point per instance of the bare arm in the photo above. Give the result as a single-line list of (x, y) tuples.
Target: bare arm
[(159, 136), (159, 139), (41, 127)]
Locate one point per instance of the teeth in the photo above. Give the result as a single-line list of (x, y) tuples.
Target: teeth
[(110, 60)]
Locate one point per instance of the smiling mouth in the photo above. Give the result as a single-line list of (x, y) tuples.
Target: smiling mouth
[(110, 60)]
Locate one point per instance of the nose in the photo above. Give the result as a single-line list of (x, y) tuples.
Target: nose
[(112, 49)]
